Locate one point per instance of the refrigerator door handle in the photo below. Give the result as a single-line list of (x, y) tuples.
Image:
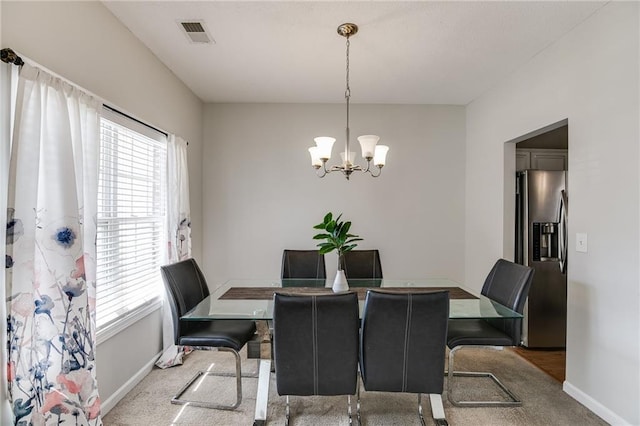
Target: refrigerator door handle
[(562, 231)]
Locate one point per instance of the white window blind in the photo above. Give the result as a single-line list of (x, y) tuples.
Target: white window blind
[(131, 218)]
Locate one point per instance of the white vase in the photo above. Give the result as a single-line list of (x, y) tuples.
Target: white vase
[(340, 283)]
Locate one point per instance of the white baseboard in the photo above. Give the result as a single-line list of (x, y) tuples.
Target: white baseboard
[(111, 402), (600, 410)]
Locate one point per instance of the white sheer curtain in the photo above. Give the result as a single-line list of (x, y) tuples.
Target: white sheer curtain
[(50, 249), (178, 208), (178, 236)]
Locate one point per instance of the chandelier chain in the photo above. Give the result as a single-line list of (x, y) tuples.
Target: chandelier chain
[(347, 93), (347, 96)]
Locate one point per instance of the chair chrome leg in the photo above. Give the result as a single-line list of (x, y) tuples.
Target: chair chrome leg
[(420, 415), (176, 399), (513, 402), (349, 409), (250, 375), (358, 417), (287, 412)]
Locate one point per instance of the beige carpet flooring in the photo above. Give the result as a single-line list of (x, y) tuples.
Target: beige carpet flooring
[(544, 402)]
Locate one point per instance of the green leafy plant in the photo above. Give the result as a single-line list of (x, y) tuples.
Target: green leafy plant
[(336, 236)]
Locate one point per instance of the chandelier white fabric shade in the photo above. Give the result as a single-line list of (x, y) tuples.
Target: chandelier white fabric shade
[(371, 151)]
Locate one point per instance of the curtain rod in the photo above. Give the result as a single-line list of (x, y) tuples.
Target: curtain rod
[(112, 109), (10, 57)]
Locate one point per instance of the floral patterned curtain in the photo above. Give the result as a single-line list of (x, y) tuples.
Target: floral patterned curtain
[(9, 75), (50, 262), (178, 237)]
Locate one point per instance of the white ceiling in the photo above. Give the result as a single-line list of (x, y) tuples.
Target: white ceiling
[(418, 52)]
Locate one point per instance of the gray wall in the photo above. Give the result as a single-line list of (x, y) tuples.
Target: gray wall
[(589, 77), (261, 195)]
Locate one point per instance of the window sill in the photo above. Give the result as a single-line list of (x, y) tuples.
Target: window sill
[(107, 332)]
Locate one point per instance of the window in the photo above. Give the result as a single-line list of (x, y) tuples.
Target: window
[(131, 220)]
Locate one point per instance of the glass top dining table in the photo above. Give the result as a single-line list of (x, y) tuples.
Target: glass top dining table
[(253, 298)]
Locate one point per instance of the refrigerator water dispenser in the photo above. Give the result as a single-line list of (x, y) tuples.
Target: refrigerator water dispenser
[(545, 241)]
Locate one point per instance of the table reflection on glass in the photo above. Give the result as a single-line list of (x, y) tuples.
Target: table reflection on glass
[(253, 299)]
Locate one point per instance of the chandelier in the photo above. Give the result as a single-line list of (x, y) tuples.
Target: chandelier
[(371, 151)]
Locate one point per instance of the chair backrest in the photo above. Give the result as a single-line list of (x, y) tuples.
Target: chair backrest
[(185, 286), (315, 341), (508, 283), (303, 264), (362, 264), (403, 341)]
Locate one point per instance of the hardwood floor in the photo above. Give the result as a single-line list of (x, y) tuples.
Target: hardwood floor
[(551, 361)]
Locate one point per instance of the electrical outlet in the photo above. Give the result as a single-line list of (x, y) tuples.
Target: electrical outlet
[(581, 242)]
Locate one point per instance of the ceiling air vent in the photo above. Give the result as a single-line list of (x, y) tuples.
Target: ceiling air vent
[(196, 31)]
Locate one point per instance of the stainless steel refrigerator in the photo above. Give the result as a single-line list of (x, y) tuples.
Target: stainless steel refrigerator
[(541, 242)]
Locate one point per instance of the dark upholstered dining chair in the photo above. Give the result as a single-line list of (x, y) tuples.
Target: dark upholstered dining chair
[(403, 345), (303, 264), (186, 287), (362, 264), (315, 341), (508, 284)]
